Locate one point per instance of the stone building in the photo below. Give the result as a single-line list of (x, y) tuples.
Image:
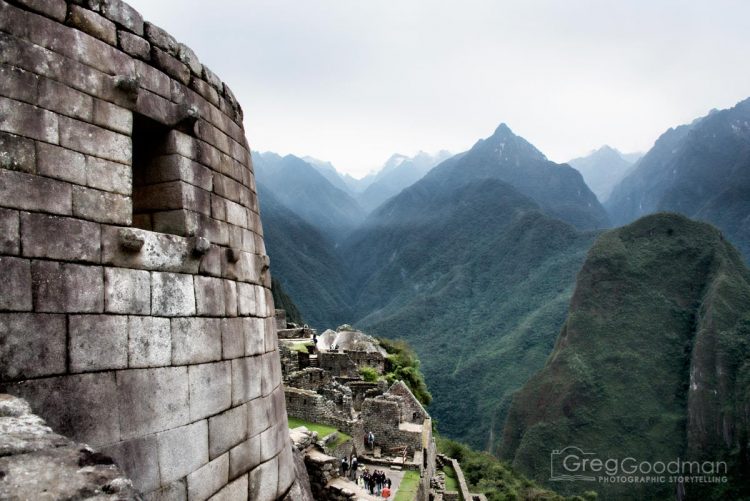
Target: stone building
[(136, 314)]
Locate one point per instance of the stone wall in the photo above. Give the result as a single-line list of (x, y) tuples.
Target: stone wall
[(339, 364), (311, 406), (381, 415), (137, 315)]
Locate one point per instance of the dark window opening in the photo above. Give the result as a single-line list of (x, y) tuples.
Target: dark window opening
[(149, 140)]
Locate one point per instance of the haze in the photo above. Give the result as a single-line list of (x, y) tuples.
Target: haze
[(353, 81)]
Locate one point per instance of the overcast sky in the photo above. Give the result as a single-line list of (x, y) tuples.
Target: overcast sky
[(353, 81)]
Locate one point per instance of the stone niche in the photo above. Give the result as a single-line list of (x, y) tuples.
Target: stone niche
[(135, 312)]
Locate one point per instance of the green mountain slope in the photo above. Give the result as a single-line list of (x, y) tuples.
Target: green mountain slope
[(653, 362), (303, 260), (701, 170), (477, 279)]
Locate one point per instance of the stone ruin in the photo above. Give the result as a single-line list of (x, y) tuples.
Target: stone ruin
[(136, 314)]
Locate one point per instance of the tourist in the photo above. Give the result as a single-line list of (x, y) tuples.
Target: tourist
[(386, 492), (388, 482), (354, 468), (344, 467)]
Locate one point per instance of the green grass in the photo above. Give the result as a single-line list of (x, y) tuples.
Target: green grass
[(321, 429), (301, 347), (407, 490), (451, 481)]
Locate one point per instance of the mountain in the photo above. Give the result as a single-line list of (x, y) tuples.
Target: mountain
[(477, 278), (653, 363), (701, 170), (602, 169), (398, 172), (302, 189), (558, 188), (305, 263), (328, 171)]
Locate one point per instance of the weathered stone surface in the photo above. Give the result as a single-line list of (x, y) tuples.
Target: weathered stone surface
[(230, 298), (287, 472), (208, 479), (139, 460), (271, 372), (38, 460), (62, 99), (235, 491), (264, 481), (123, 14), (271, 442), (227, 430), (19, 190), (152, 400), (98, 342), (244, 457), (32, 345), (93, 24), (134, 45), (246, 379), (29, 121), (109, 176), (172, 294), (70, 288), (188, 57), (182, 450), (127, 291), (149, 342), (259, 415), (113, 117), (59, 238), (176, 167), (9, 231), (246, 304), (232, 338), (102, 206), (159, 252), (152, 79), (196, 340), (212, 78), (170, 65), (15, 275), (55, 9), (160, 38), (211, 265), (209, 296), (60, 163), (210, 389), (94, 140), (79, 406), (176, 491), (254, 329), (16, 152), (272, 340)]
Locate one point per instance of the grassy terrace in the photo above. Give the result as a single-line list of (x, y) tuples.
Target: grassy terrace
[(451, 481), (321, 429), (408, 488)]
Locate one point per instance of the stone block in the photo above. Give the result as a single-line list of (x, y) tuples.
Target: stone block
[(170, 65), (127, 291), (109, 176), (172, 294), (232, 338), (152, 79), (32, 345), (176, 167), (255, 335), (181, 144), (149, 342), (210, 389), (29, 121), (79, 406), (98, 342), (235, 491), (211, 265), (152, 400), (246, 299), (134, 45), (158, 108), (16, 152), (188, 57), (209, 296), (60, 163), (236, 214), (176, 491), (173, 195), (113, 117), (60, 238), (211, 77), (19, 190), (209, 479), (18, 84), (218, 208), (15, 275), (139, 459), (159, 252), (65, 100), (160, 38), (246, 379), (227, 430), (55, 9), (272, 339), (182, 450), (93, 24), (260, 416), (102, 206), (230, 298), (10, 235), (244, 457), (227, 188), (270, 445), (94, 140), (195, 340), (177, 222), (123, 14), (70, 288), (205, 90), (287, 474), (264, 481)]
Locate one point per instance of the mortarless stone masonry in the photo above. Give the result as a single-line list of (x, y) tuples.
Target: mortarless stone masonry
[(136, 314)]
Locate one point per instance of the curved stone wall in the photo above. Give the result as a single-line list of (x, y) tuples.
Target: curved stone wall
[(135, 312)]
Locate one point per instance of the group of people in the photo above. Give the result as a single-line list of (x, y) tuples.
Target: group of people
[(349, 468), (376, 483)]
